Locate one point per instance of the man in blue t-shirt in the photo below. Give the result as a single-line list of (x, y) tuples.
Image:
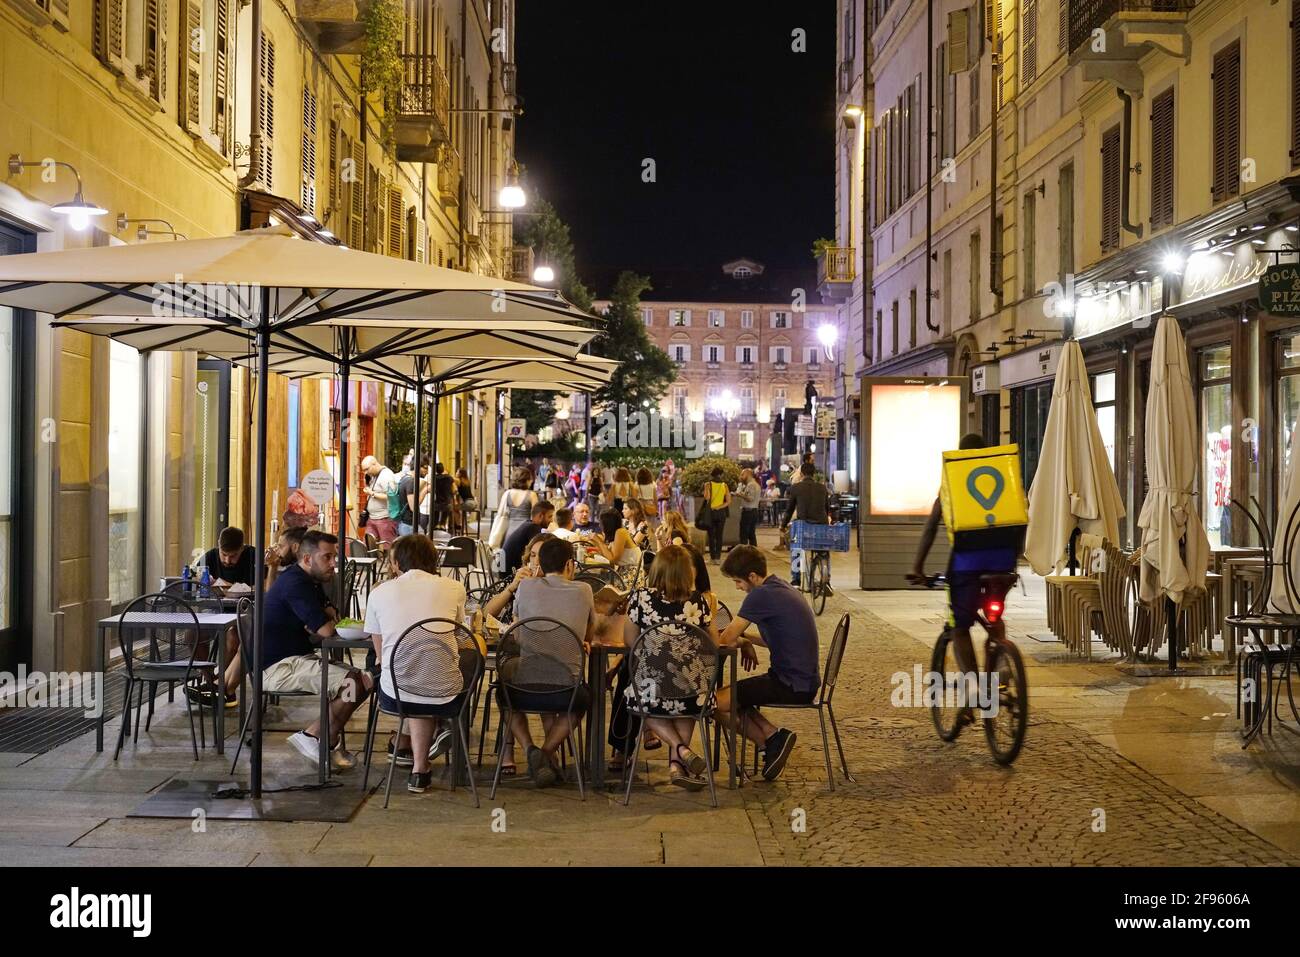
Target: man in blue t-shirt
[(297, 617), (788, 629)]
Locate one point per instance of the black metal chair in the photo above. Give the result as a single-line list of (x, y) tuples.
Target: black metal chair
[(149, 626), (605, 573), (459, 558), (822, 704), (681, 664), (538, 656), (422, 664), (482, 596)]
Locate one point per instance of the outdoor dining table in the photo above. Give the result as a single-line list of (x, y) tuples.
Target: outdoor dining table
[(1287, 625), (597, 666), (1235, 569), (211, 624), (327, 645)]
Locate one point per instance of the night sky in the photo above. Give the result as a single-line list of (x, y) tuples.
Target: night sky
[(741, 128)]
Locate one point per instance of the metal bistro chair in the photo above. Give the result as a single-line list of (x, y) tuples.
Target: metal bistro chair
[(482, 596), (822, 703), (457, 561), (484, 569), (605, 573), (142, 657), (681, 664), (538, 656), (421, 664)]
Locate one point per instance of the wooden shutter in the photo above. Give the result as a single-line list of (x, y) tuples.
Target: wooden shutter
[(1062, 25), (396, 241), (155, 48), (266, 162), (110, 33), (974, 105), (1162, 160), (1226, 113), (959, 40), (1112, 171), (190, 74), (1029, 45), (57, 11), (375, 210), (221, 101), (1295, 83), (1065, 220), (356, 197), (417, 236), (336, 194), (308, 150)]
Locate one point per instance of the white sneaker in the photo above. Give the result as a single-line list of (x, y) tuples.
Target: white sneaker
[(306, 745), (341, 760)]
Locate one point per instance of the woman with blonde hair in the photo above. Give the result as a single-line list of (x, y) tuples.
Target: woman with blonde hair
[(671, 598)]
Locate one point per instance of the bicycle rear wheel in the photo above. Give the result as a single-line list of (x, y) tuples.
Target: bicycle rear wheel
[(1006, 730), (943, 711), (820, 580)]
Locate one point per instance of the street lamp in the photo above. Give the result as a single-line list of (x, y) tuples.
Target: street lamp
[(512, 195), (77, 210), (543, 273), (726, 405), (827, 335)]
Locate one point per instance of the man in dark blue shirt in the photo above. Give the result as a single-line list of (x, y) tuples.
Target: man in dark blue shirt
[(516, 542), (232, 561), (788, 629), (296, 619)]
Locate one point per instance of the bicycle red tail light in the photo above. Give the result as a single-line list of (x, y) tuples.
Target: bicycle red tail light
[(993, 610)]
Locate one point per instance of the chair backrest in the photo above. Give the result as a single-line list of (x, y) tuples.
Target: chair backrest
[(722, 618), (1114, 583), (157, 628), (372, 544), (673, 661), (461, 554), (540, 655), (425, 659), (606, 574), (835, 657), (357, 549)]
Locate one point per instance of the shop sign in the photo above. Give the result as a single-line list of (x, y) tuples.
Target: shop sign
[(1033, 365), (826, 424), (1279, 290), (803, 426), (318, 485), (985, 379), (516, 430)]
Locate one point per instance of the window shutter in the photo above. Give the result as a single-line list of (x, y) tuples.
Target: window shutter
[(1029, 47), (974, 105), (377, 207), (57, 10), (191, 66), (1226, 79), (266, 161), (959, 40), (1065, 205), (110, 33), (1295, 83), (417, 236), (357, 197), (221, 104), (336, 194), (1112, 169), (1062, 25), (978, 18), (396, 242), (1162, 160), (308, 150), (152, 65)]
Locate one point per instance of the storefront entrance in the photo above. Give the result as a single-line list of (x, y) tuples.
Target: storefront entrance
[(1215, 381), (1029, 407), (211, 452)]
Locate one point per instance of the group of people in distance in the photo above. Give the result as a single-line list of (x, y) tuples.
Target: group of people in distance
[(391, 498)]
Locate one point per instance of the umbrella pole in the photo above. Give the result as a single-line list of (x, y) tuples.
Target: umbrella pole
[(344, 370), (419, 433), (1171, 626), (259, 545), (1072, 551), (433, 457)]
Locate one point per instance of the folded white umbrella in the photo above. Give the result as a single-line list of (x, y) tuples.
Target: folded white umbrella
[(1288, 520), (1175, 550), (1074, 486)]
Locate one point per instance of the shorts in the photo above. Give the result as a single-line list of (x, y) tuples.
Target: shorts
[(416, 709), (302, 673), (769, 689), (384, 529), (547, 702), (964, 598)]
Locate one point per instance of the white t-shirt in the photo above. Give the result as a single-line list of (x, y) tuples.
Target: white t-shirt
[(399, 603), (567, 534), (386, 483)]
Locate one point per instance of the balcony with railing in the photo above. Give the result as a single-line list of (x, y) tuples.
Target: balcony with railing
[(337, 23), (1109, 36), (521, 263), (835, 273), (424, 111)]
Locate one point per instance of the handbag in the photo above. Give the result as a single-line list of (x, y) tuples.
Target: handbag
[(497, 537), (703, 517)]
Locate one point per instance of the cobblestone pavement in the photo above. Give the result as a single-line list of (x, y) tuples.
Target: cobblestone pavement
[(917, 800)]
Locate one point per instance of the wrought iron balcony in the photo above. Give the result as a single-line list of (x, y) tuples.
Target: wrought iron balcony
[(1108, 36), (424, 117), (835, 273)]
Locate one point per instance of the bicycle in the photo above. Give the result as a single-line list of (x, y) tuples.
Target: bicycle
[(1005, 730), (815, 566)]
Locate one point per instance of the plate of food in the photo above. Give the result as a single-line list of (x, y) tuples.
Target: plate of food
[(351, 629)]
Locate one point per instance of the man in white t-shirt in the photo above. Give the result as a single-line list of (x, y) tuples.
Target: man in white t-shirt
[(392, 608), (383, 484), (562, 527)]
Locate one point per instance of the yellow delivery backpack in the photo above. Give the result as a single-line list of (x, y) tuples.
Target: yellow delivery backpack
[(983, 498)]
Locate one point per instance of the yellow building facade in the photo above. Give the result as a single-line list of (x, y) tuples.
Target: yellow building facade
[(119, 467)]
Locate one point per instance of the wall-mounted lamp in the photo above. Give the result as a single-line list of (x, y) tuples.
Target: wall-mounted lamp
[(77, 210), (143, 232)]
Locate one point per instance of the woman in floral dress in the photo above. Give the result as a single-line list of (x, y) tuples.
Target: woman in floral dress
[(670, 679)]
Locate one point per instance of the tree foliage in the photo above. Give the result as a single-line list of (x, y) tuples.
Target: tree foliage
[(535, 407), (645, 371), (549, 237)]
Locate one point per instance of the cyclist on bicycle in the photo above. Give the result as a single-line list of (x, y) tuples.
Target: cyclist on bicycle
[(965, 568), (808, 501)]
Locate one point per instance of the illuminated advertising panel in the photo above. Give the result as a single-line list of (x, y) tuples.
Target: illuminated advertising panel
[(912, 423)]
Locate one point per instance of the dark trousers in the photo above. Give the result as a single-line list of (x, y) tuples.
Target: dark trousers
[(717, 522), (749, 526)]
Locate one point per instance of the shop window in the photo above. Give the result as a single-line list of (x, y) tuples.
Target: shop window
[(1029, 408), (124, 413), (1216, 430), (1103, 401), (1288, 404), (292, 451)]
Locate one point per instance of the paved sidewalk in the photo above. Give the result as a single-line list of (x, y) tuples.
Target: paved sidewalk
[(1157, 762)]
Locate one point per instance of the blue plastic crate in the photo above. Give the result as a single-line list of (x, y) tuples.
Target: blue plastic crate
[(827, 538)]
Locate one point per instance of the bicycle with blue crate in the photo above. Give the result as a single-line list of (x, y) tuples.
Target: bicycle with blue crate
[(816, 542)]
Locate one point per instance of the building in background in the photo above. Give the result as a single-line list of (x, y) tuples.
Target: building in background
[(1145, 157), (115, 467)]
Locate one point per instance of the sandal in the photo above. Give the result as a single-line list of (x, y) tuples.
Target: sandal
[(651, 742), (693, 763), (678, 775)]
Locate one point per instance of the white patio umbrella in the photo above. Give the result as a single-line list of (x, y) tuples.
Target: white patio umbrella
[(1074, 486), (1280, 592), (1175, 550), (270, 290)]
